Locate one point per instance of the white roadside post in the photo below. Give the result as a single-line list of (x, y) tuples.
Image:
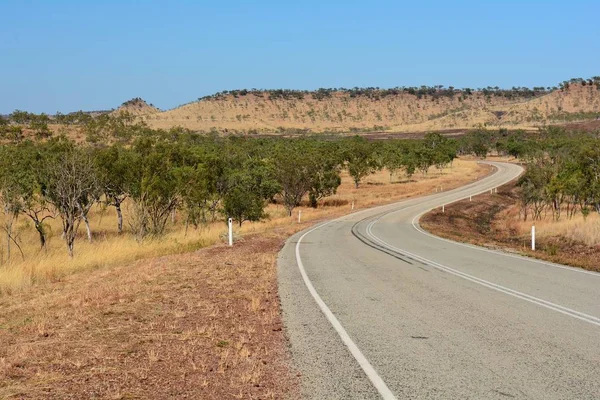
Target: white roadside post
[(470, 198), (299, 215), (443, 208), (352, 205), (532, 237), (230, 223)]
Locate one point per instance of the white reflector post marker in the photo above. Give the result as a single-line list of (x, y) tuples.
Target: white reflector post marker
[(299, 215), (230, 223), (532, 237)]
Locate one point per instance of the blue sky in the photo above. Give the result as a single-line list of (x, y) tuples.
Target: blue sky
[(69, 55)]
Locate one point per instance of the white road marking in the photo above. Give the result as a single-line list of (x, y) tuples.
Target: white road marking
[(366, 366), (523, 296), (415, 223)]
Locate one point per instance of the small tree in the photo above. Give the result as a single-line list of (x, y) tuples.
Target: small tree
[(361, 159), (39, 124), (325, 177), (155, 186), (249, 188), (424, 158), (194, 195), (293, 172), (115, 171), (71, 180), (22, 172), (20, 117)]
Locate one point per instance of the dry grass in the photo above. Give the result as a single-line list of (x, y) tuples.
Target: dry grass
[(200, 325), (579, 229), (109, 248), (494, 221)]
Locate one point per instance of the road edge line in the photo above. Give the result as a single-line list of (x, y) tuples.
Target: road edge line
[(381, 387)]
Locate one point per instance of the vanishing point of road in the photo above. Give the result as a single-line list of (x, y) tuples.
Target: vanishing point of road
[(375, 307)]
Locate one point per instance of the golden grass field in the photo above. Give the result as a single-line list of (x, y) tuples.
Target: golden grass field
[(584, 230), (109, 248)]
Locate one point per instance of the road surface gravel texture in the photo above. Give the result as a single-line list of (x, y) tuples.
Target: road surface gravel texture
[(375, 307)]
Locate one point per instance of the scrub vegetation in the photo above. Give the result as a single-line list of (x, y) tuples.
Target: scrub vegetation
[(559, 193)]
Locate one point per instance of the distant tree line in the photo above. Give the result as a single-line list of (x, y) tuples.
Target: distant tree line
[(593, 81), (376, 93)]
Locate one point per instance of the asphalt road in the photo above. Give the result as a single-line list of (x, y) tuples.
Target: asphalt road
[(374, 307)]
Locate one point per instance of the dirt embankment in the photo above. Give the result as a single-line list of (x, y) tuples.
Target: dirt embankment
[(489, 220)]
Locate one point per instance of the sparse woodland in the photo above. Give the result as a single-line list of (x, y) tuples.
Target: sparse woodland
[(157, 175), (206, 177), (152, 179)]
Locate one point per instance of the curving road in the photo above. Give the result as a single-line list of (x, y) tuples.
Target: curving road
[(375, 307)]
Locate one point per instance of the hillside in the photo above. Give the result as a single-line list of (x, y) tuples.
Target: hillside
[(137, 107), (398, 110)]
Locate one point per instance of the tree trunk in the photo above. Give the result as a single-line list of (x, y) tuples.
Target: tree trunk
[(70, 247), (8, 227), (40, 229), (8, 243), (87, 228), (313, 200), (119, 217), (69, 234)]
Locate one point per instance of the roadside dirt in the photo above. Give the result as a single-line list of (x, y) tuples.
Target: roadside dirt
[(199, 325), (482, 222)]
